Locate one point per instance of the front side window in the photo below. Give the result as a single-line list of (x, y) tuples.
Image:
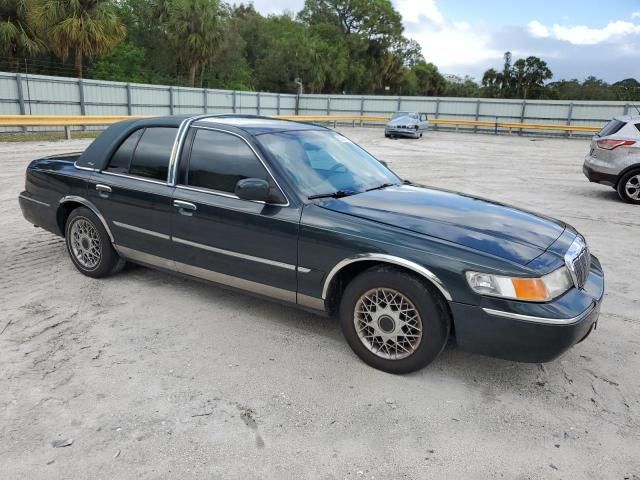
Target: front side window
[(322, 161), (219, 160), (151, 156)]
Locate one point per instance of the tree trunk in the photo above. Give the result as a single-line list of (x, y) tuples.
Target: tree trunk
[(78, 64), (192, 74)]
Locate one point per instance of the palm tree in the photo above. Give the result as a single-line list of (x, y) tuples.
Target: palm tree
[(87, 28), (194, 27), (17, 38)]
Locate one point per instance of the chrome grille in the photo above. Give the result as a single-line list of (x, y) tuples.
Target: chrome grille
[(578, 261)]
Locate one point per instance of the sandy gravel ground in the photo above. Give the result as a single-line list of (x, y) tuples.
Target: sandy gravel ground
[(152, 376)]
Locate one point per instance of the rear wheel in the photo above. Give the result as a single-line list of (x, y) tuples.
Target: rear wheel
[(629, 187), (89, 245), (393, 320)]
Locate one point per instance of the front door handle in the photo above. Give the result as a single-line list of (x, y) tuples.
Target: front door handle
[(185, 208), (103, 190)]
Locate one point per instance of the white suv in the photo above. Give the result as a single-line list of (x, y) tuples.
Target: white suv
[(614, 159)]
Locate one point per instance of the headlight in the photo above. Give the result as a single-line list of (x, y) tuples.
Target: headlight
[(541, 289)]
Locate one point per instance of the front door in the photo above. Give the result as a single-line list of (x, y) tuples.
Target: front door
[(218, 236)]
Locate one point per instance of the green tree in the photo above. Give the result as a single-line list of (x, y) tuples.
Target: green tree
[(529, 76), (86, 28), (429, 80), (126, 63), (194, 27), (17, 37), (523, 79), (461, 87)]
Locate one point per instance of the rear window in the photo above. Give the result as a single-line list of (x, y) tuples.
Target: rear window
[(122, 158), (151, 157), (611, 128)]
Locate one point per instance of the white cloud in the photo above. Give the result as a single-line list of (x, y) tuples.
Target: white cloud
[(635, 14), (583, 35), (413, 11), (455, 44), (538, 30)]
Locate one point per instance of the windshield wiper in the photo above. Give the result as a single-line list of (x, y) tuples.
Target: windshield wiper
[(336, 194), (380, 187)]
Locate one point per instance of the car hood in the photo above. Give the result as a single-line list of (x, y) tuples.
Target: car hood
[(486, 226), (401, 121)]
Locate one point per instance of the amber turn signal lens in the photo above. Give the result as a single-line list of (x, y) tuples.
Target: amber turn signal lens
[(530, 289)]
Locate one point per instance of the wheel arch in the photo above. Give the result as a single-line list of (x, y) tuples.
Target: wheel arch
[(347, 269), (71, 202), (630, 168)]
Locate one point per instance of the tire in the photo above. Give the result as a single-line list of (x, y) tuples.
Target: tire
[(626, 187), (423, 336), (89, 245)]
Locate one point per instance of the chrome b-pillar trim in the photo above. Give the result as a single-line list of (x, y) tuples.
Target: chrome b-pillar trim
[(383, 258), (90, 206), (178, 143)]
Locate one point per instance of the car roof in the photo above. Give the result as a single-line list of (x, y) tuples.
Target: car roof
[(628, 118), (100, 150), (256, 125)]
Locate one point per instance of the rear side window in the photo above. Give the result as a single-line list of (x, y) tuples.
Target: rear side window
[(122, 158), (219, 160), (611, 128), (638, 126), (151, 156)]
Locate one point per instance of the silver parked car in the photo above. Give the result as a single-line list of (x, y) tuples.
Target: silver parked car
[(406, 124), (614, 159)]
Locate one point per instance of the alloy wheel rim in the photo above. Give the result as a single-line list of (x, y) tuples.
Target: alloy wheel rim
[(633, 187), (85, 243), (387, 323)]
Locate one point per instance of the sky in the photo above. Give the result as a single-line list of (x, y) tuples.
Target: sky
[(576, 38)]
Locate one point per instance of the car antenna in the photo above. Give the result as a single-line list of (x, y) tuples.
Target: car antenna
[(638, 109)]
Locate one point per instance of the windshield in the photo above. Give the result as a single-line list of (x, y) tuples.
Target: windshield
[(320, 162), (402, 114)]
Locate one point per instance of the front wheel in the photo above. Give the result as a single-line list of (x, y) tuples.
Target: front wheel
[(393, 320), (629, 187), (89, 245)]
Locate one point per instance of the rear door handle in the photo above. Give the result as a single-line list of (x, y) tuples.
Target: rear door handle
[(103, 190), (185, 208)]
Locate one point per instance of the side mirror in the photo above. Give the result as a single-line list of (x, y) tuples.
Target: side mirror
[(252, 189)]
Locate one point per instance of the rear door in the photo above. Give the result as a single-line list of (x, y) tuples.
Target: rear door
[(133, 195), (218, 236)]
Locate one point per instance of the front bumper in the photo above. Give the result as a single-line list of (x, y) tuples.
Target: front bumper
[(531, 337), (408, 132)]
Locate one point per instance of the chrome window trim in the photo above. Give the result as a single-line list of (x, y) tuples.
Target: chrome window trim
[(88, 169), (230, 253), (44, 204), (173, 181), (384, 258), (133, 228), (90, 206), (134, 177), (543, 320)]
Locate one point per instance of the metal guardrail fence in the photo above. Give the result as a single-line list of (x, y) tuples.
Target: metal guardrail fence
[(22, 94), (102, 120)]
